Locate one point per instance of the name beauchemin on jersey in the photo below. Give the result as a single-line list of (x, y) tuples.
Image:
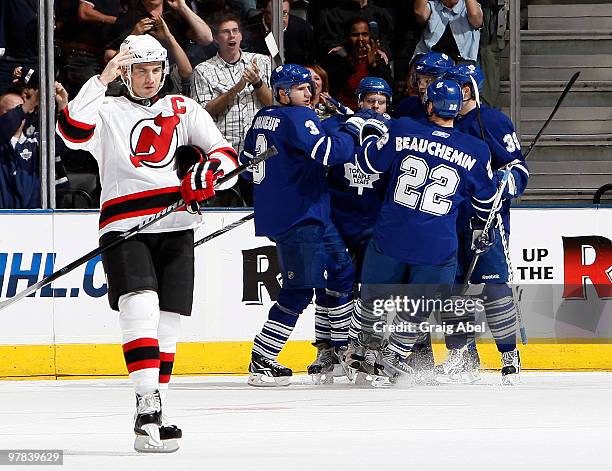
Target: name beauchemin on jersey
[(435, 149)]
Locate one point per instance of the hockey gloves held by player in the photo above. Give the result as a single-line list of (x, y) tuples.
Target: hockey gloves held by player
[(353, 126), (378, 127), (198, 184), (481, 242)]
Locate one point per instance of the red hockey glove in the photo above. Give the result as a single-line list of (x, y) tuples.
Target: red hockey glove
[(198, 184)]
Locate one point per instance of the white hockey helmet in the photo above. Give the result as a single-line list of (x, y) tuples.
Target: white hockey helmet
[(145, 48)]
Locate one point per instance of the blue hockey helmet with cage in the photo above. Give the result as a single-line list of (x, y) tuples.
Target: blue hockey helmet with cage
[(285, 76), (433, 64), (374, 85), (462, 73), (446, 98)]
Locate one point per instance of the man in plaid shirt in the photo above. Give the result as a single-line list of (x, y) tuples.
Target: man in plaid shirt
[(233, 85)]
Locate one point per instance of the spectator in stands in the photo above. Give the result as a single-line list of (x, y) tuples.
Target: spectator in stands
[(332, 21), (358, 58), (85, 37), (452, 27), (19, 157), (233, 85), (182, 22), (297, 36), (318, 101), (174, 28), (18, 38)]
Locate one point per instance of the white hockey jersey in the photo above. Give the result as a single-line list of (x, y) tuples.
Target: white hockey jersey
[(134, 146)]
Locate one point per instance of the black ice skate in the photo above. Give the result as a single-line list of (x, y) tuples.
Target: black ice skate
[(352, 356), (151, 436), (322, 369), (397, 368), (370, 371), (268, 373), (511, 369)]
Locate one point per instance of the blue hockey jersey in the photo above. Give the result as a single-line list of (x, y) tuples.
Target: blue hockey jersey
[(291, 187), (432, 170), (410, 107), (356, 197), (504, 146)]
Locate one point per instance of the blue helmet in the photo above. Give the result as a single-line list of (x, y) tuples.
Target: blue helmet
[(462, 73), (374, 85), (285, 76), (433, 63), (446, 98)]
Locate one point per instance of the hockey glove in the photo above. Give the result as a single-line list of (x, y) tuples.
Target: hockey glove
[(374, 127), (481, 242), (198, 184), (353, 126)]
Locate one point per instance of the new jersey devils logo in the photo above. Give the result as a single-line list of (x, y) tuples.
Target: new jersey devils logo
[(154, 141)]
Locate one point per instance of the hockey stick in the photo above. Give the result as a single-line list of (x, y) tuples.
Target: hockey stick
[(482, 237), (519, 316), (566, 90), (515, 296), (224, 229), (129, 233)]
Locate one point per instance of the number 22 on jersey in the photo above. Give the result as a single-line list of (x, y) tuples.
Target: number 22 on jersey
[(433, 198)]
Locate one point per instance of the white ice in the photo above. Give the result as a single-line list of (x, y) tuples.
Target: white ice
[(553, 421)]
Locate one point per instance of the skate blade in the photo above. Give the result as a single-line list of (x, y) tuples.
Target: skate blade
[(143, 444), (511, 380), (264, 381), (322, 378)]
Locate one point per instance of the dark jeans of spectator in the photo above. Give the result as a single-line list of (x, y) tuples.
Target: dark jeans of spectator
[(7, 66)]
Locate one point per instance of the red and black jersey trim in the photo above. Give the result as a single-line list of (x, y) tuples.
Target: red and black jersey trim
[(139, 204), (228, 152), (74, 130)]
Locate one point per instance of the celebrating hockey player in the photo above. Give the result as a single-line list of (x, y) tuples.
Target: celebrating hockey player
[(150, 276), (355, 202), (292, 208), (433, 169), (492, 268), (427, 68)]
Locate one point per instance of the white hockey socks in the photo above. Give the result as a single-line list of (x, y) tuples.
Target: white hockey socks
[(139, 321)]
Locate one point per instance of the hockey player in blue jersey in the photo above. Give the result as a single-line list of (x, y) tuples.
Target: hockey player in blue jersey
[(291, 203), (433, 170), (427, 68), (356, 197), (492, 268), (355, 202)]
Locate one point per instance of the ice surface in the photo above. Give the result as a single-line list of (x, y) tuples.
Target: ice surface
[(553, 421)]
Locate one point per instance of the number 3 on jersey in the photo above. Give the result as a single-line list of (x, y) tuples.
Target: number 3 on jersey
[(259, 172), (415, 174)]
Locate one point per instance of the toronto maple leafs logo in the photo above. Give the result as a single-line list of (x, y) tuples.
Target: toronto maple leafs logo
[(358, 179)]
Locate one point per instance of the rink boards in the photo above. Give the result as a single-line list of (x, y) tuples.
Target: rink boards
[(68, 329)]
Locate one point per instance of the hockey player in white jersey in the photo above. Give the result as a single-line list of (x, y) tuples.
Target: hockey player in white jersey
[(150, 276)]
